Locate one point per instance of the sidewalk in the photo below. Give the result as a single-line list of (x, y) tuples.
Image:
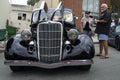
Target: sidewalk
[(95, 39)]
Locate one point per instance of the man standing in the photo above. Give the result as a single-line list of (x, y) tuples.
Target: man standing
[(102, 29)]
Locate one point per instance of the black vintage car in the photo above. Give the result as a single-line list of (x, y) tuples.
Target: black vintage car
[(114, 37), (52, 42)]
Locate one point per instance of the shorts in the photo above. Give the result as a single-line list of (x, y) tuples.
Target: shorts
[(102, 37)]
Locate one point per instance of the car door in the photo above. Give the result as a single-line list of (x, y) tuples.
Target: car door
[(112, 35)]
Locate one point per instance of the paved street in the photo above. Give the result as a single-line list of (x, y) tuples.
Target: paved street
[(102, 69)]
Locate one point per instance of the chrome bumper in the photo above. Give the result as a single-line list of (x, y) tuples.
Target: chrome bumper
[(48, 66)]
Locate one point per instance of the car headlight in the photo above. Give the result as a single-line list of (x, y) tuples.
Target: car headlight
[(26, 34), (73, 34)]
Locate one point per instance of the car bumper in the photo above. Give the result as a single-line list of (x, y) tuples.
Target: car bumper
[(48, 66)]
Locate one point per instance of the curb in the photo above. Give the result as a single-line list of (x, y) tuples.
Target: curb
[(96, 42)]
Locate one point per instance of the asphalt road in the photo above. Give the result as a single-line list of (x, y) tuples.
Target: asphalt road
[(102, 69)]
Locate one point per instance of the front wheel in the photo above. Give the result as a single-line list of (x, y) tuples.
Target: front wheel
[(16, 68), (84, 67), (92, 52), (117, 43)]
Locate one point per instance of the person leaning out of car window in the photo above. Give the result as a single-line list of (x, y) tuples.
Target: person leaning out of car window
[(87, 22)]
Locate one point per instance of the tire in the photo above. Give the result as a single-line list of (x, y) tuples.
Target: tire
[(92, 52), (84, 67), (117, 43), (16, 68)]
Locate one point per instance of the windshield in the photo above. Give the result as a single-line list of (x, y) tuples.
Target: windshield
[(68, 16), (57, 15), (43, 16), (118, 29)]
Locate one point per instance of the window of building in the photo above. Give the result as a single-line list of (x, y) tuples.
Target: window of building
[(21, 16), (24, 16), (92, 6)]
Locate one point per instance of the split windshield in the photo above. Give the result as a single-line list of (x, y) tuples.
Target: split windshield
[(58, 16)]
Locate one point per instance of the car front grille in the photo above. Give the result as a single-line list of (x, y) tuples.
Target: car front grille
[(49, 37)]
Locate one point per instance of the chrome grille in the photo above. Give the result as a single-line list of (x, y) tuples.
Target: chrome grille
[(49, 37)]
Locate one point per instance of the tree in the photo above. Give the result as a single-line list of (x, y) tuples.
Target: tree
[(32, 2)]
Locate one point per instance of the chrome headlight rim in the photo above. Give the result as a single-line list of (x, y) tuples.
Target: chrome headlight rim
[(72, 34), (26, 35)]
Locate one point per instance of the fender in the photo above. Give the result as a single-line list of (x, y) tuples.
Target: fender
[(85, 49), (16, 51)]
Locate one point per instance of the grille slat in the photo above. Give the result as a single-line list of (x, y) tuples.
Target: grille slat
[(49, 42)]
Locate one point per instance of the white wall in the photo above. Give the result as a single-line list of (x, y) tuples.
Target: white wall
[(21, 24), (4, 12), (22, 9)]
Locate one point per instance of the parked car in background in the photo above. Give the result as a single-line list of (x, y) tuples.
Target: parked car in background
[(52, 42), (114, 37)]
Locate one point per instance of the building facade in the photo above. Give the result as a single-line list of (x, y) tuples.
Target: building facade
[(20, 16), (4, 13)]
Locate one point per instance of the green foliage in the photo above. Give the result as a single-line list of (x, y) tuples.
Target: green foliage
[(32, 2)]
